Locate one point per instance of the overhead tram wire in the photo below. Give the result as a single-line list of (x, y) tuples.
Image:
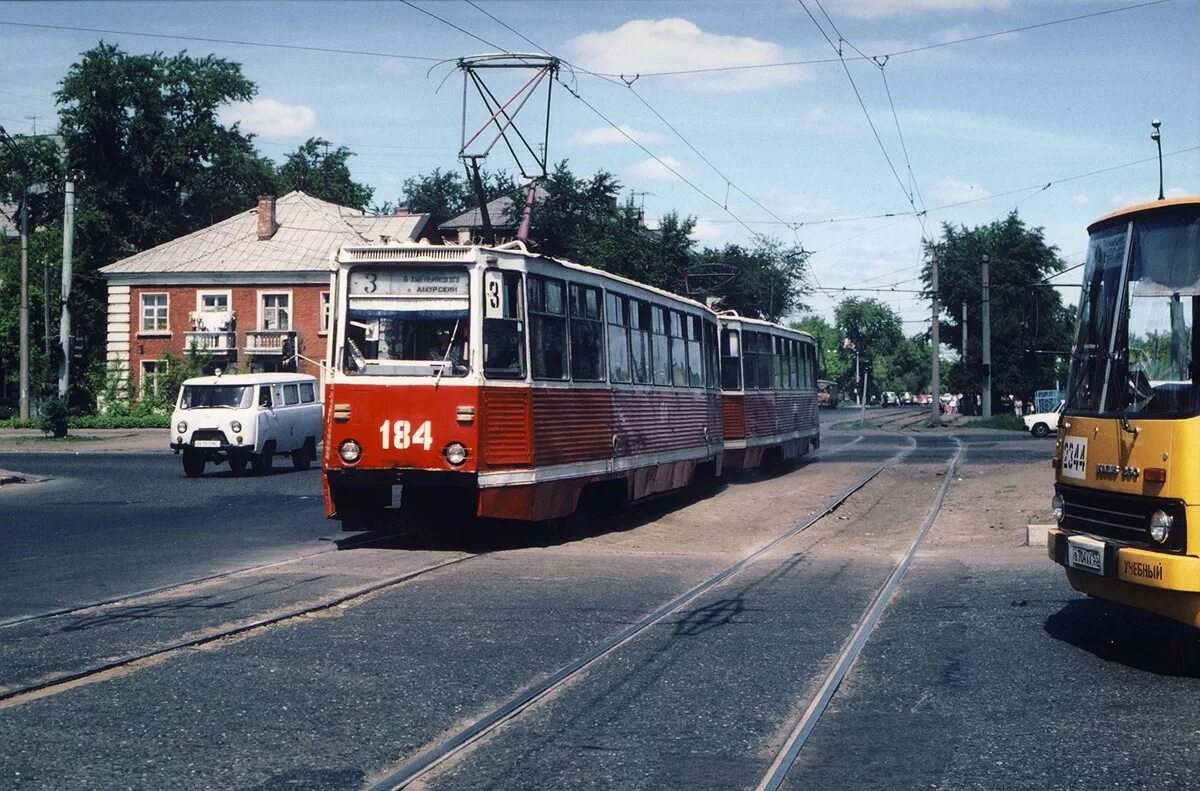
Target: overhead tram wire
[(909, 51)]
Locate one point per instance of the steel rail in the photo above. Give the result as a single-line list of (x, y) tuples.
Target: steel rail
[(792, 746), (462, 740), (353, 543), (11, 696)]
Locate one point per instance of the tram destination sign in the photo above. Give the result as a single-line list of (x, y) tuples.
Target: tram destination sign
[(409, 283)]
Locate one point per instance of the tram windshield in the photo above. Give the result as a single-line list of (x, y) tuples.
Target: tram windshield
[(1134, 349), (406, 322)]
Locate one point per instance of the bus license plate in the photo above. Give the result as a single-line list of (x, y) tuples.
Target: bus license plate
[(1085, 554), (207, 443)]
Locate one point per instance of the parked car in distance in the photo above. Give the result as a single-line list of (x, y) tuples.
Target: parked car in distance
[(1042, 424), (924, 399), (246, 418)]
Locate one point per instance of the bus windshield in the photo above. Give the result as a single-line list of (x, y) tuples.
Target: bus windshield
[(1134, 350), (406, 322), (219, 396)]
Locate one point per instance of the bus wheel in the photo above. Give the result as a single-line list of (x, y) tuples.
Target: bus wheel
[(237, 464), (302, 459), (193, 464)]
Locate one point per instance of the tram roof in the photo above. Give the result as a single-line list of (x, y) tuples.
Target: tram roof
[(1144, 208), (764, 323)]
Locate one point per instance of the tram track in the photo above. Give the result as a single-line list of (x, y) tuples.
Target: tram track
[(467, 737), (37, 689)]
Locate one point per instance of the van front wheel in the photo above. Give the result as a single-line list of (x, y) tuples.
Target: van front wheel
[(193, 464)]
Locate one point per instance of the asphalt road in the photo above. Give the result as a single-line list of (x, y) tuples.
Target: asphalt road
[(986, 671), (112, 524)]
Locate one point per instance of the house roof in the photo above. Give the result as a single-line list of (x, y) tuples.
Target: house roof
[(498, 212), (309, 232)]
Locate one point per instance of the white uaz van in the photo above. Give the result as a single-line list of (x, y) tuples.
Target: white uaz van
[(244, 418)]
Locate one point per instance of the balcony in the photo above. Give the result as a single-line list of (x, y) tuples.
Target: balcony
[(268, 342), (211, 342)]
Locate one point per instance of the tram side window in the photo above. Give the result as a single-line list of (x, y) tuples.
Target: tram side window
[(694, 352), (750, 366), (660, 345), (587, 334), (639, 341), (810, 366), (794, 363), (618, 337), (503, 326), (547, 327), (679, 375), (731, 360), (712, 356)]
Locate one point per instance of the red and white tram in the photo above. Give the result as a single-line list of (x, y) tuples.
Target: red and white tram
[(510, 381), (769, 392)]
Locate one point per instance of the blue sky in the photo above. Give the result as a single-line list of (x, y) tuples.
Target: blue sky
[(981, 120)]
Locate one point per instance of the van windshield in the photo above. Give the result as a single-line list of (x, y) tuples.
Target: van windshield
[(208, 396)]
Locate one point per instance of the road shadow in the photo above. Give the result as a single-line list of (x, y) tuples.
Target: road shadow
[(1130, 637), (396, 529)]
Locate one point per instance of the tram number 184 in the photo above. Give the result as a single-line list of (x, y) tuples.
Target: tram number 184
[(399, 434)]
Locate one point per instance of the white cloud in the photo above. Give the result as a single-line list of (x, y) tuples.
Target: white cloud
[(607, 135), (269, 117), (654, 170), (951, 190), (646, 46), (994, 130), (874, 9)]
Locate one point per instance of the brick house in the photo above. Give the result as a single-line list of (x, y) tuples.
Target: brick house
[(244, 290)]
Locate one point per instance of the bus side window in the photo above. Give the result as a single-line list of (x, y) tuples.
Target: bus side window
[(308, 393), (264, 397), (291, 395)]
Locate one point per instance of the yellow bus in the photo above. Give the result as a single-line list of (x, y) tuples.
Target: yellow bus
[(1127, 479)]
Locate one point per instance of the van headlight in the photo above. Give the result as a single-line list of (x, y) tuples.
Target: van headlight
[(455, 453), (236, 425), (350, 451), (1160, 526), (1058, 507), (182, 427)]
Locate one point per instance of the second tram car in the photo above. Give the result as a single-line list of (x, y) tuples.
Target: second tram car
[(1127, 491), (769, 392), (510, 382)]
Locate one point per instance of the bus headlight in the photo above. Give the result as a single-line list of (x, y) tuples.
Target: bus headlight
[(455, 453), (1160, 526), (236, 425), (350, 451), (1058, 508), (182, 427)]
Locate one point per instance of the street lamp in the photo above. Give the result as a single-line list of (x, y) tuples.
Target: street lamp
[(1157, 138)]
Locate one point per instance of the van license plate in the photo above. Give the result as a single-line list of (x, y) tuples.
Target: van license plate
[(1085, 554), (207, 443)]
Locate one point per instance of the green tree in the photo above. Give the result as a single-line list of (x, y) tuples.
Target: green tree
[(873, 332), (907, 369), (151, 161), (443, 194), (1018, 258), (314, 169), (768, 279)]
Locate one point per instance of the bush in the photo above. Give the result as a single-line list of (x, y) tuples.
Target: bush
[(55, 416)]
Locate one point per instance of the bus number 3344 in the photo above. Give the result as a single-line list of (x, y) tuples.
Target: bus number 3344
[(399, 434)]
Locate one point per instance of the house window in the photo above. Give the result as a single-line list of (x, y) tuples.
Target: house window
[(276, 311), (153, 373), (154, 313), (324, 311), (212, 301)]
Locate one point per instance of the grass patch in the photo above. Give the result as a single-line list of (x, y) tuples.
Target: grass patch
[(20, 440), (1007, 422)]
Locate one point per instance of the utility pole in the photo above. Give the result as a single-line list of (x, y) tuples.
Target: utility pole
[(24, 334), (987, 340), (964, 326), (64, 325), (1157, 138), (935, 345)]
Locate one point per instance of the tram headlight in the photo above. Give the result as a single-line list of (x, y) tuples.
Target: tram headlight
[(1058, 508), (455, 453), (236, 425), (1160, 526), (182, 427), (350, 451)]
